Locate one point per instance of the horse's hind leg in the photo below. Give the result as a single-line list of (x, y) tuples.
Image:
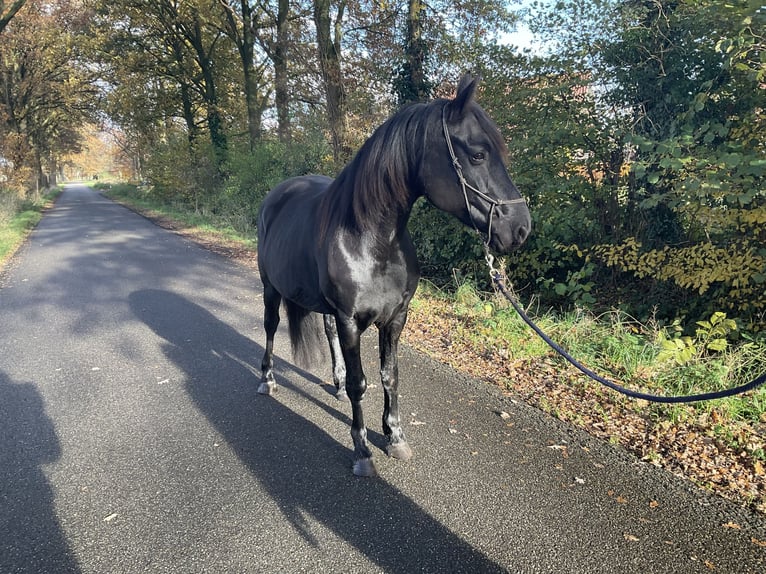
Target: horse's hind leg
[(271, 302), (389, 377), (338, 364)]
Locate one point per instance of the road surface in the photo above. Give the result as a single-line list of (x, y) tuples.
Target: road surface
[(132, 439)]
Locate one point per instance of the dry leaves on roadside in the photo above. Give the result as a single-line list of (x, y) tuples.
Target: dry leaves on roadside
[(683, 448)]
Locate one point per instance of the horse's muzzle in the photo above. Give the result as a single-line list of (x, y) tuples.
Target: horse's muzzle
[(511, 227)]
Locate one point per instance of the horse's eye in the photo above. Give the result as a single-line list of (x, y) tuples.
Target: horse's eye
[(478, 157)]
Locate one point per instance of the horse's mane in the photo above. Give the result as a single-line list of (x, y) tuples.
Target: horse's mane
[(378, 179)]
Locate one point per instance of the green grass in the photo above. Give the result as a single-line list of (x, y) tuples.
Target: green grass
[(617, 347), (17, 219), (219, 225)]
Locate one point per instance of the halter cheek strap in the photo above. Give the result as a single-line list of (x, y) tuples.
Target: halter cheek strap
[(466, 186)]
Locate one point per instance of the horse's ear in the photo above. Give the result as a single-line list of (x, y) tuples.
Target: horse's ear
[(465, 91)]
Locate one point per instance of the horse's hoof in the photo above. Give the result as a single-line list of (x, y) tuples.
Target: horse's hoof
[(399, 451), (365, 467), (267, 388), (341, 395)]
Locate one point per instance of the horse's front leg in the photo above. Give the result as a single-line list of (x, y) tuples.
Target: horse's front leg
[(349, 335), (338, 364), (389, 377)]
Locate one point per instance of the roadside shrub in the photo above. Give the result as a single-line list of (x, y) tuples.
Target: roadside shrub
[(9, 206), (177, 174), (233, 191), (251, 174)]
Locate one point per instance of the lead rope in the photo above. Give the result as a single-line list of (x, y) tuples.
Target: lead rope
[(497, 279)]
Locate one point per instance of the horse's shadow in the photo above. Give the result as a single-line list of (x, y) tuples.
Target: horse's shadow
[(305, 471)]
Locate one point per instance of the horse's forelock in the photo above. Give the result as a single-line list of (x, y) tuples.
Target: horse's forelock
[(489, 127)]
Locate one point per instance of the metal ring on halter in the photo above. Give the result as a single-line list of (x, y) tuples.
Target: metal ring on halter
[(466, 186)]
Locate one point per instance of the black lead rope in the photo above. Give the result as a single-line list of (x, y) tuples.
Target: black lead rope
[(497, 279)]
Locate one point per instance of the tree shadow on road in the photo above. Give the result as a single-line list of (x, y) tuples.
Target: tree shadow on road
[(306, 471), (31, 539)]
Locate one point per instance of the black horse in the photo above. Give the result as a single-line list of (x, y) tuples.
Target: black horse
[(341, 247)]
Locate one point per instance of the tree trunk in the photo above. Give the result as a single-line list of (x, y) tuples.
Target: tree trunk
[(282, 97), (52, 170), (248, 68), (41, 180), (188, 112), (416, 52), (7, 15), (410, 83), (245, 42), (329, 58), (187, 105), (253, 109), (210, 94)]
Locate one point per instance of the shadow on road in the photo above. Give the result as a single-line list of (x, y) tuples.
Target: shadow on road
[(31, 539), (304, 469)]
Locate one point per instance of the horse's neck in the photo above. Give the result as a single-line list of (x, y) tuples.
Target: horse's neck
[(393, 227)]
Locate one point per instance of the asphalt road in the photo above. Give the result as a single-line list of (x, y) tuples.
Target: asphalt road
[(132, 439)]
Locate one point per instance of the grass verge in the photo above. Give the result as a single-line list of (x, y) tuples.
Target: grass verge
[(182, 217), (719, 445), (17, 219)]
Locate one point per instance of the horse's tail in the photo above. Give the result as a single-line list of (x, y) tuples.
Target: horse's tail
[(305, 335)]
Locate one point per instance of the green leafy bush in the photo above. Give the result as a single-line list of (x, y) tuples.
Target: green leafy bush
[(177, 176)]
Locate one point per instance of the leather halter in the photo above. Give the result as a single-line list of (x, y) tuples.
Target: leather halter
[(466, 186)]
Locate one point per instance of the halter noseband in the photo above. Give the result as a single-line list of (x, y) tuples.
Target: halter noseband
[(466, 186)]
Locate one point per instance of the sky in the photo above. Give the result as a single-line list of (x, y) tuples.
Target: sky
[(522, 36)]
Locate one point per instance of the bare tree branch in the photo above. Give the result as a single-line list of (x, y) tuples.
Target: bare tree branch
[(7, 14)]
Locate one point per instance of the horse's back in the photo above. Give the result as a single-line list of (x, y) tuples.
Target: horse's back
[(295, 197), (287, 239)]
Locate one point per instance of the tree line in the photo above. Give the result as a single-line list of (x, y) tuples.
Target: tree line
[(636, 131), (228, 68)]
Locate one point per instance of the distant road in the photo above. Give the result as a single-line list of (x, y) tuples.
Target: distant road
[(132, 440)]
